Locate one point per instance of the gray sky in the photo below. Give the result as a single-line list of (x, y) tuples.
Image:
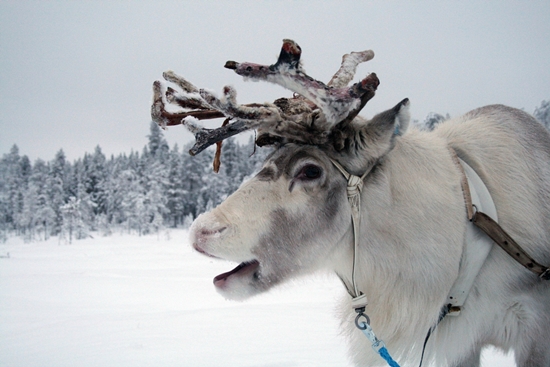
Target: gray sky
[(76, 74)]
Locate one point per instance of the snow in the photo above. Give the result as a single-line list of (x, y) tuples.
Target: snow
[(149, 301)]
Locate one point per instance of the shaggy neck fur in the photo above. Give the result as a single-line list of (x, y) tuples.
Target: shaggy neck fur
[(405, 297)]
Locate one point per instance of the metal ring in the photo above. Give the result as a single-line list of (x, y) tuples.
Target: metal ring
[(362, 326)]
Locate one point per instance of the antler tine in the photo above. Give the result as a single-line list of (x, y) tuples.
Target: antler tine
[(247, 117), (347, 70), (194, 97), (255, 113), (365, 91), (182, 82), (158, 112), (173, 96), (190, 98), (335, 103), (164, 118), (206, 137), (207, 106)]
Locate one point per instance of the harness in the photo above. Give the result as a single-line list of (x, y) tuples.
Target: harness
[(476, 245), (479, 239), (359, 299)]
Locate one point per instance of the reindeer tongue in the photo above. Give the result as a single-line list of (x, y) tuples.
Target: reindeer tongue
[(241, 269)]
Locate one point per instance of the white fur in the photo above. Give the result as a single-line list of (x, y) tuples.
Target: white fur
[(411, 236)]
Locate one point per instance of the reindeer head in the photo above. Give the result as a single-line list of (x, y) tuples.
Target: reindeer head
[(292, 217)]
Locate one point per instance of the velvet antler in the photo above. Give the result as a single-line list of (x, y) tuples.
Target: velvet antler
[(308, 118)]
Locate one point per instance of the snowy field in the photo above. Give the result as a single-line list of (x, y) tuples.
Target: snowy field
[(149, 301)]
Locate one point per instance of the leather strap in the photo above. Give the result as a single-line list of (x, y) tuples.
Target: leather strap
[(477, 245), (492, 229), (507, 243)]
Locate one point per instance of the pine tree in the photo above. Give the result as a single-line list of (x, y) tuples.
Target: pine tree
[(94, 176), (158, 147), (155, 180), (74, 222), (131, 195), (231, 167), (134, 206), (80, 191), (38, 216), (56, 188), (194, 170), (12, 186), (154, 204), (105, 221), (433, 119), (542, 113), (174, 189)]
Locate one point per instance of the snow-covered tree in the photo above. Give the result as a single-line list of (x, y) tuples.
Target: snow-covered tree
[(432, 120), (74, 222), (232, 167), (542, 113), (157, 146), (175, 191), (14, 176), (195, 170), (81, 191), (131, 194), (56, 188), (155, 200), (37, 218), (93, 178)]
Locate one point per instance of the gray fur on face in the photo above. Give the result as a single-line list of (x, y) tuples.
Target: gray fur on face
[(290, 244)]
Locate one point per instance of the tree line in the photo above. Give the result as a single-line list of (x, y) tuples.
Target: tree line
[(142, 193)]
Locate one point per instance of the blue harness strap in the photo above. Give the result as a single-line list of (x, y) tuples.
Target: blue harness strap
[(378, 345), (384, 354)]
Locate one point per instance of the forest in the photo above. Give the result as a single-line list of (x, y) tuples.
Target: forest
[(141, 193)]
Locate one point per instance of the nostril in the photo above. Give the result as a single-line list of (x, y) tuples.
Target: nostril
[(204, 237), (211, 232)]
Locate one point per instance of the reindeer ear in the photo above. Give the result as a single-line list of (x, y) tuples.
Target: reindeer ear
[(392, 122), (376, 137), (403, 117)]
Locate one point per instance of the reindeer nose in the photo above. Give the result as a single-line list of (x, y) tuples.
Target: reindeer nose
[(203, 235), (211, 232)]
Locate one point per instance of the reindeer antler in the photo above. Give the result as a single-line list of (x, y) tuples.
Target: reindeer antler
[(207, 106), (335, 103), (294, 119)]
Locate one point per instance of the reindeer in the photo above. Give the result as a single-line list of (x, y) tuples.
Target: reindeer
[(407, 247)]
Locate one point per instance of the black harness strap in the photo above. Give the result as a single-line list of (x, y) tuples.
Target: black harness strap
[(444, 312)]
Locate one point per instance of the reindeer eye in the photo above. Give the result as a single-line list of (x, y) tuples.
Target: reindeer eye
[(310, 172)]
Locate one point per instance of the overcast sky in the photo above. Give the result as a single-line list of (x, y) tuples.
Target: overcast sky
[(77, 74)]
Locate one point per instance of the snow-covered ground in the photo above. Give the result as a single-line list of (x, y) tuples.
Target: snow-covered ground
[(149, 301)]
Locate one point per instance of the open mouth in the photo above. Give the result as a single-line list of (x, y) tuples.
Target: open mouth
[(244, 269)]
